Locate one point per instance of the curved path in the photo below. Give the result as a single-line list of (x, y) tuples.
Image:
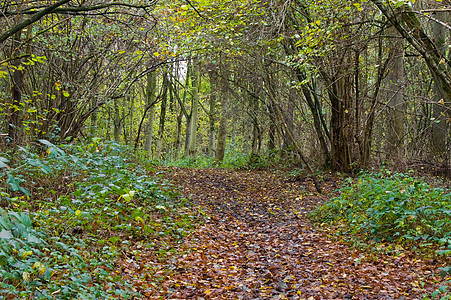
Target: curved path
[(258, 245)]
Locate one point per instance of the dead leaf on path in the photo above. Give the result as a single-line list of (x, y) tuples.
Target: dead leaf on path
[(257, 244)]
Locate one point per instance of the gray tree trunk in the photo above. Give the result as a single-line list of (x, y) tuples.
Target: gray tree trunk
[(222, 130), (150, 99), (395, 97), (195, 82), (440, 124), (117, 122), (164, 101), (212, 117), (222, 133)]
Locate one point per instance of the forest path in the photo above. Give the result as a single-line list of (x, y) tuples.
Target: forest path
[(258, 245)]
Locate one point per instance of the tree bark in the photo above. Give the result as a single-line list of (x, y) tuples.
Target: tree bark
[(440, 125), (342, 138), (117, 123), (192, 144), (222, 133), (395, 105), (15, 126), (212, 116), (150, 99), (161, 127), (222, 130), (408, 25)]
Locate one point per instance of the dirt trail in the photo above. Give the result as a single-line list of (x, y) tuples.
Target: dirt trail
[(258, 245)]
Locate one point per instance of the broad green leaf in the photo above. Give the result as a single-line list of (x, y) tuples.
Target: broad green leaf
[(6, 234)]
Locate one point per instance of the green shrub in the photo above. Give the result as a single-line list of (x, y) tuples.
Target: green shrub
[(392, 208), (64, 244)]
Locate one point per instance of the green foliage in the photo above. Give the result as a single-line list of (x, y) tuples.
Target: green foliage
[(201, 161), (441, 293), (256, 162), (64, 243), (233, 159), (392, 207)]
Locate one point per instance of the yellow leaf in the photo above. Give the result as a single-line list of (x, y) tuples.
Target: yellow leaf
[(78, 212), (26, 276), (156, 54), (40, 266), (25, 254), (42, 269), (207, 292)]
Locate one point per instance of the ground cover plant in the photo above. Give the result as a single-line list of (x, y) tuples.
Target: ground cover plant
[(233, 159), (395, 210), (395, 207), (71, 212)]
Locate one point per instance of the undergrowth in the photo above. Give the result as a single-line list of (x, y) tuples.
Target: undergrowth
[(70, 211), (397, 209), (392, 208), (233, 159)]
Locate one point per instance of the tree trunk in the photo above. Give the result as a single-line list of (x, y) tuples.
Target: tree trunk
[(440, 125), (222, 132), (256, 131), (178, 143), (342, 138), (283, 122), (150, 99), (395, 105), (272, 128), (370, 117), (15, 126), (212, 116), (93, 106), (195, 82), (131, 103), (408, 25), (117, 123), (164, 101)]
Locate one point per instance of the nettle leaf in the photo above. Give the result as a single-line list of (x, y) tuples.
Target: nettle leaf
[(3, 162), (13, 183)]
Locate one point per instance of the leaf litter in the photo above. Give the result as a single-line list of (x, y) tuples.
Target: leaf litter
[(256, 243)]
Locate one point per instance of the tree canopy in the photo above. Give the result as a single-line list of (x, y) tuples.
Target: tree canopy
[(313, 79)]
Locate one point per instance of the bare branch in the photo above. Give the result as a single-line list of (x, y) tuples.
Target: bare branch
[(36, 17)]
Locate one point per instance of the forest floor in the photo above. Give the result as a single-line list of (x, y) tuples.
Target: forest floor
[(257, 243)]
